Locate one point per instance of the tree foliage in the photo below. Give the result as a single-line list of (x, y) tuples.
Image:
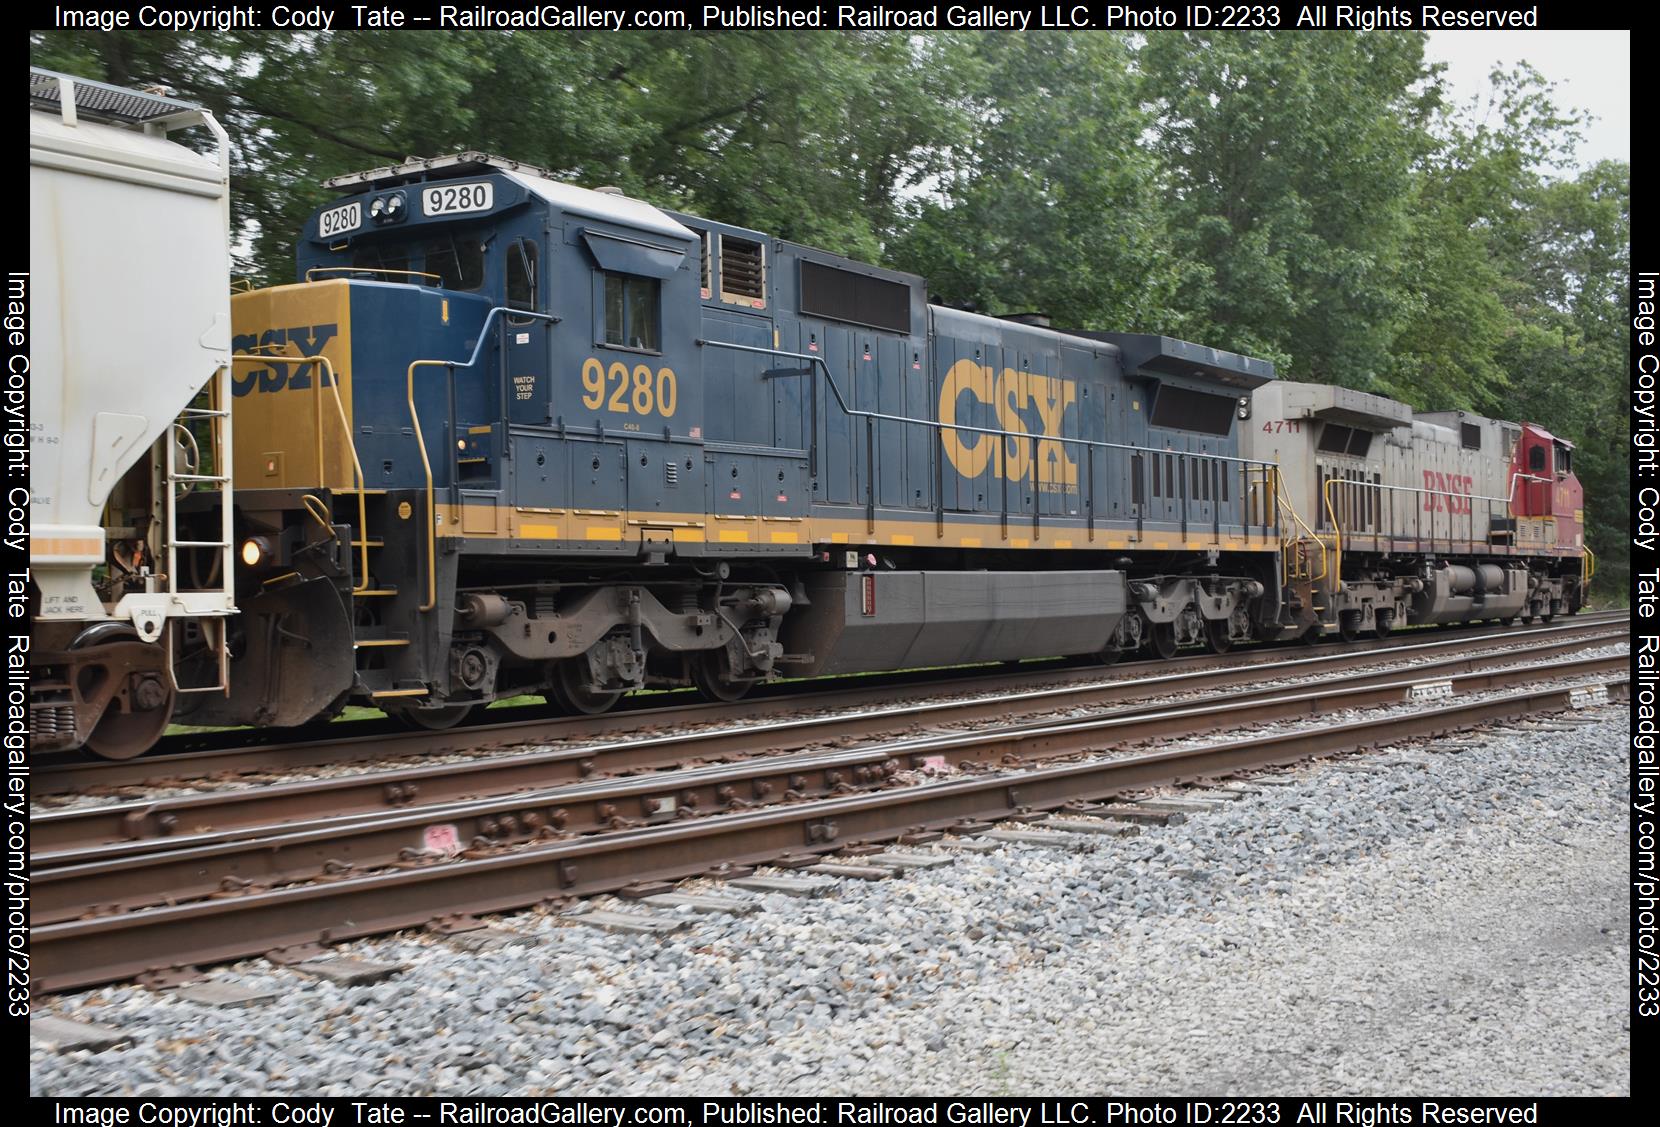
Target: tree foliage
[(1314, 199)]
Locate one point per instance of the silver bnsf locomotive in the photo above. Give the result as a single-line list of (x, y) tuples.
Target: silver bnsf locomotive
[(503, 435)]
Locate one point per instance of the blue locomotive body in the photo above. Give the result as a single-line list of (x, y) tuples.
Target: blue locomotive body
[(564, 441)]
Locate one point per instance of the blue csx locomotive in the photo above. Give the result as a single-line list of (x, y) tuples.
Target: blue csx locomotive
[(505, 435)]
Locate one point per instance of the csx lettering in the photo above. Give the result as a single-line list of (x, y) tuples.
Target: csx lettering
[(1444, 490), (971, 452), (309, 339)]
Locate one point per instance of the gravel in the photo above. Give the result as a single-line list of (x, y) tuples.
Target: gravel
[(1443, 921)]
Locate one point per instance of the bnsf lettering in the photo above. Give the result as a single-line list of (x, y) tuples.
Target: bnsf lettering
[(309, 339), (1444, 490), (971, 453)]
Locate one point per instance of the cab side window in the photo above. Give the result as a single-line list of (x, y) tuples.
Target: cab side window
[(521, 279), (633, 312), (1536, 460)]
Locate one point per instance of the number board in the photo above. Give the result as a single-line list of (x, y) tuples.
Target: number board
[(450, 199), (340, 220)]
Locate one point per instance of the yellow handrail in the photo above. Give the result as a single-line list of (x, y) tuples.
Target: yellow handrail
[(1587, 568), (370, 270), (327, 368), (1308, 533), (426, 468)]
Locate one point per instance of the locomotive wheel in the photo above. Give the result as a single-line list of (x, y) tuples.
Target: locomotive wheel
[(1161, 639), (712, 676), (1216, 634), (432, 719), (1348, 626), (572, 692)]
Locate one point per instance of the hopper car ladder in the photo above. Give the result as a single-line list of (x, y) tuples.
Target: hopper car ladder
[(174, 484)]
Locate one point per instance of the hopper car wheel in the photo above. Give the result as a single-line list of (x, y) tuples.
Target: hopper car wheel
[(1546, 617), (572, 692), (1161, 638), (1348, 625), (1216, 635), (1511, 621), (1527, 620), (124, 735), (1109, 656), (1383, 623), (711, 673), (128, 728), (432, 719), (1311, 636)]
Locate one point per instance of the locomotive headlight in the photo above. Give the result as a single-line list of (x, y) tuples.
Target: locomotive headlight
[(388, 208), (1244, 406), (255, 551)]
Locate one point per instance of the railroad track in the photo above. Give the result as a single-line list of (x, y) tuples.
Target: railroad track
[(228, 893), (350, 743), (202, 819)]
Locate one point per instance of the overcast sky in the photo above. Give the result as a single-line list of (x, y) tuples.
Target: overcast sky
[(1591, 69)]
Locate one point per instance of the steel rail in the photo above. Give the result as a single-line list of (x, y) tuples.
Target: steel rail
[(85, 952), (381, 743), (71, 884), (358, 740), (171, 819)]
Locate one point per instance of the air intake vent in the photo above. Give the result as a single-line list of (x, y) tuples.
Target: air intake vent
[(742, 269), (671, 474)]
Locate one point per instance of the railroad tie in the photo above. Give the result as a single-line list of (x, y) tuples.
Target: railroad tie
[(64, 1036), (486, 939), (790, 886), (1027, 837), (971, 845), (852, 872), (703, 902), (627, 923), (349, 972), (1136, 812), (905, 862), (1090, 826), (223, 995)]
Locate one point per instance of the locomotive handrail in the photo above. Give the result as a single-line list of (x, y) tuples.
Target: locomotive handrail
[(1337, 527), (936, 424), (371, 270), (1587, 569), (1281, 503), (871, 417), (327, 366), (421, 443)]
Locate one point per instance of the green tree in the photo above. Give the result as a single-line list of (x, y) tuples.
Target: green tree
[(808, 137), (1287, 163), (1052, 204)]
